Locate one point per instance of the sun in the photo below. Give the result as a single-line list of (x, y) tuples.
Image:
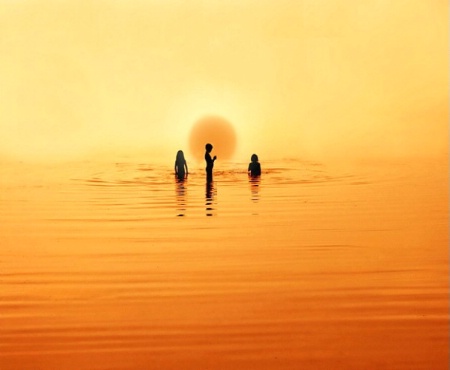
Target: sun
[(216, 131)]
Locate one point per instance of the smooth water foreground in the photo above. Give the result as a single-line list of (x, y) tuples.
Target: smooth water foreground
[(118, 266)]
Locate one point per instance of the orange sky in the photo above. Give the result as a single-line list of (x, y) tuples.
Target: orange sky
[(300, 78)]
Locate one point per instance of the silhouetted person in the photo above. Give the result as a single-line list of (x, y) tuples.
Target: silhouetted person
[(254, 168), (181, 168), (209, 162)]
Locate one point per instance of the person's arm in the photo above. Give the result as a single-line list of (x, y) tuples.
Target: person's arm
[(185, 165), (175, 167)]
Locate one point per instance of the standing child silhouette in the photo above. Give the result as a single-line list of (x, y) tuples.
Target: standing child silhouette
[(181, 168), (254, 168), (209, 162)]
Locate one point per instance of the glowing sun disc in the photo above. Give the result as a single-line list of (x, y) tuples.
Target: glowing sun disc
[(216, 131)]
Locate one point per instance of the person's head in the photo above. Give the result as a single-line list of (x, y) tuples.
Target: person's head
[(180, 155), (254, 158), (208, 147)]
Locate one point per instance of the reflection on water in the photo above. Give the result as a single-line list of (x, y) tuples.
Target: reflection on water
[(209, 198), (181, 194), (342, 269), (254, 182)]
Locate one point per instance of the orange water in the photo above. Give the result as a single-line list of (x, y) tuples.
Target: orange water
[(118, 266)]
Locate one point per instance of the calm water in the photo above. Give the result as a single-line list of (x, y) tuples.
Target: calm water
[(313, 266)]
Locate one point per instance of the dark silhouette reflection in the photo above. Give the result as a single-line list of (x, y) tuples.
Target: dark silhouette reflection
[(255, 182), (209, 198), (181, 192)]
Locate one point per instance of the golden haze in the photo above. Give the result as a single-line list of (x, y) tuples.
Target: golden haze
[(301, 78)]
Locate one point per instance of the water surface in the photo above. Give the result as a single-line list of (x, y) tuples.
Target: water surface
[(311, 266)]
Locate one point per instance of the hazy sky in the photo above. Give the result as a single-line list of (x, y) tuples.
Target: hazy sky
[(299, 78)]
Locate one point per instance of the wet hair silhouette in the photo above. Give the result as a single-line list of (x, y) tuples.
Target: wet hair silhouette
[(254, 167), (181, 168), (209, 162)]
